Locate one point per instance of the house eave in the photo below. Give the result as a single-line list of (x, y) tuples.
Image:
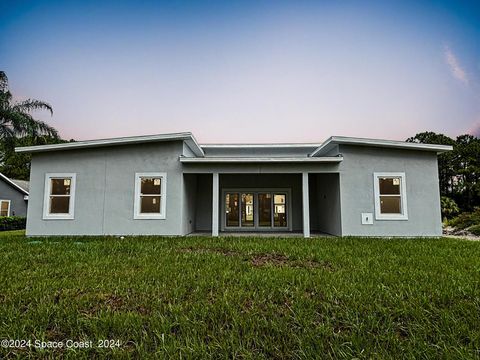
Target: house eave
[(6, 179), (186, 136), (246, 160), (331, 142)]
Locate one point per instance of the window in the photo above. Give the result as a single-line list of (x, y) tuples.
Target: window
[(390, 196), (59, 196), (4, 207), (150, 195)]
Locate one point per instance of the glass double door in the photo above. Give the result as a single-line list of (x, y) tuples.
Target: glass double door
[(256, 210)]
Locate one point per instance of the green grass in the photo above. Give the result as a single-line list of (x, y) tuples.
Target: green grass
[(243, 297)]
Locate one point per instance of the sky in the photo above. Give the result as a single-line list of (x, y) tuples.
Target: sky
[(247, 71)]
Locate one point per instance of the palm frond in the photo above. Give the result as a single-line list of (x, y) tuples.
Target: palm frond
[(32, 104), (3, 81)]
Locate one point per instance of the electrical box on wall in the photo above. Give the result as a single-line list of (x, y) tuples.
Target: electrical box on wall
[(367, 219)]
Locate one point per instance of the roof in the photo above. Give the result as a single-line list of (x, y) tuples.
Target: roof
[(14, 184), (24, 184), (345, 140), (185, 136), (308, 150)]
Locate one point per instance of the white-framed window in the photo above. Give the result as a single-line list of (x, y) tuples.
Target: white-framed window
[(150, 196), (59, 200), (4, 207), (390, 196)]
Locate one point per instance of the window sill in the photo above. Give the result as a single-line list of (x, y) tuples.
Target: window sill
[(395, 217), (149, 217), (59, 217)]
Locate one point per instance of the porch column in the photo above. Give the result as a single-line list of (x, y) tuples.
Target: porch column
[(306, 206), (215, 191)]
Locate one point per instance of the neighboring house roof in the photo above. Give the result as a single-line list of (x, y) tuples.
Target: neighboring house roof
[(14, 184), (185, 136), (307, 150), (24, 184), (337, 140)]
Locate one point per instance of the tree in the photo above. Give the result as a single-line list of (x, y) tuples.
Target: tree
[(15, 117), (446, 171), (19, 128), (459, 170), (449, 207)]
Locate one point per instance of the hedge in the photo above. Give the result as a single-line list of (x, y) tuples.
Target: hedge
[(12, 223)]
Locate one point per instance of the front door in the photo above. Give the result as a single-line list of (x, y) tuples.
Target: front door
[(256, 210)]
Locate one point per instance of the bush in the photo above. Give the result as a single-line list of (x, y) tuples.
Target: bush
[(449, 207), (466, 220), (475, 230), (12, 223)]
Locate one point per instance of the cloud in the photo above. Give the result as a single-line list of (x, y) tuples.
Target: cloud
[(457, 71)]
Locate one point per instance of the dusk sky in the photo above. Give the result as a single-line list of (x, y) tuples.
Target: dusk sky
[(245, 71)]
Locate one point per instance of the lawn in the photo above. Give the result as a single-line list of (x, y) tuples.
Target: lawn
[(242, 297)]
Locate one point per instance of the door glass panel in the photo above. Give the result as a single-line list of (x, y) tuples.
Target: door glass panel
[(231, 209), (247, 210), (265, 209), (280, 210)]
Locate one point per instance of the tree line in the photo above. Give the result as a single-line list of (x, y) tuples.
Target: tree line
[(458, 170)]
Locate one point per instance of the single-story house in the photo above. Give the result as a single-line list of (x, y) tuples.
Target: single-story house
[(13, 196), (170, 185)]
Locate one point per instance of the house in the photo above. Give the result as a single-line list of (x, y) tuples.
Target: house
[(13, 196), (170, 185)]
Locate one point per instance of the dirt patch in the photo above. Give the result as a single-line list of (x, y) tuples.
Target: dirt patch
[(269, 259), (264, 259)]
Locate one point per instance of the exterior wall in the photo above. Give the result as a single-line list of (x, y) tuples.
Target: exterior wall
[(325, 211), (189, 203), (18, 206), (203, 213), (105, 189), (250, 151), (357, 193)]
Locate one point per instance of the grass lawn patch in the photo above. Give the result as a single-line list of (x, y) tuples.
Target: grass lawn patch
[(199, 297)]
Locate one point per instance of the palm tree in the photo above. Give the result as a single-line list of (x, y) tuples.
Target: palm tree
[(15, 118)]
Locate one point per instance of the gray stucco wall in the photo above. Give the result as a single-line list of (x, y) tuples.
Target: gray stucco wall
[(18, 206), (189, 203), (105, 189), (203, 206), (325, 211), (357, 192), (260, 151)]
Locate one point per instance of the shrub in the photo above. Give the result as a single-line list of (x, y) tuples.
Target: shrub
[(466, 220), (12, 223), (449, 207), (475, 230)]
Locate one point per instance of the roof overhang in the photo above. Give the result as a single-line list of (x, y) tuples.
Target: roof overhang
[(19, 188), (186, 136), (338, 140), (249, 160)]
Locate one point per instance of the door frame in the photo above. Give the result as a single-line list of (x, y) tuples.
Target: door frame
[(255, 227)]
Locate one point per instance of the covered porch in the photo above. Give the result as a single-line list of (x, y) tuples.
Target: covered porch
[(262, 204)]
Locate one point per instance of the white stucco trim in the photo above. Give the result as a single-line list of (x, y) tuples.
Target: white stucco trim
[(46, 196), (403, 196), (212, 159), (9, 205), (162, 215)]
